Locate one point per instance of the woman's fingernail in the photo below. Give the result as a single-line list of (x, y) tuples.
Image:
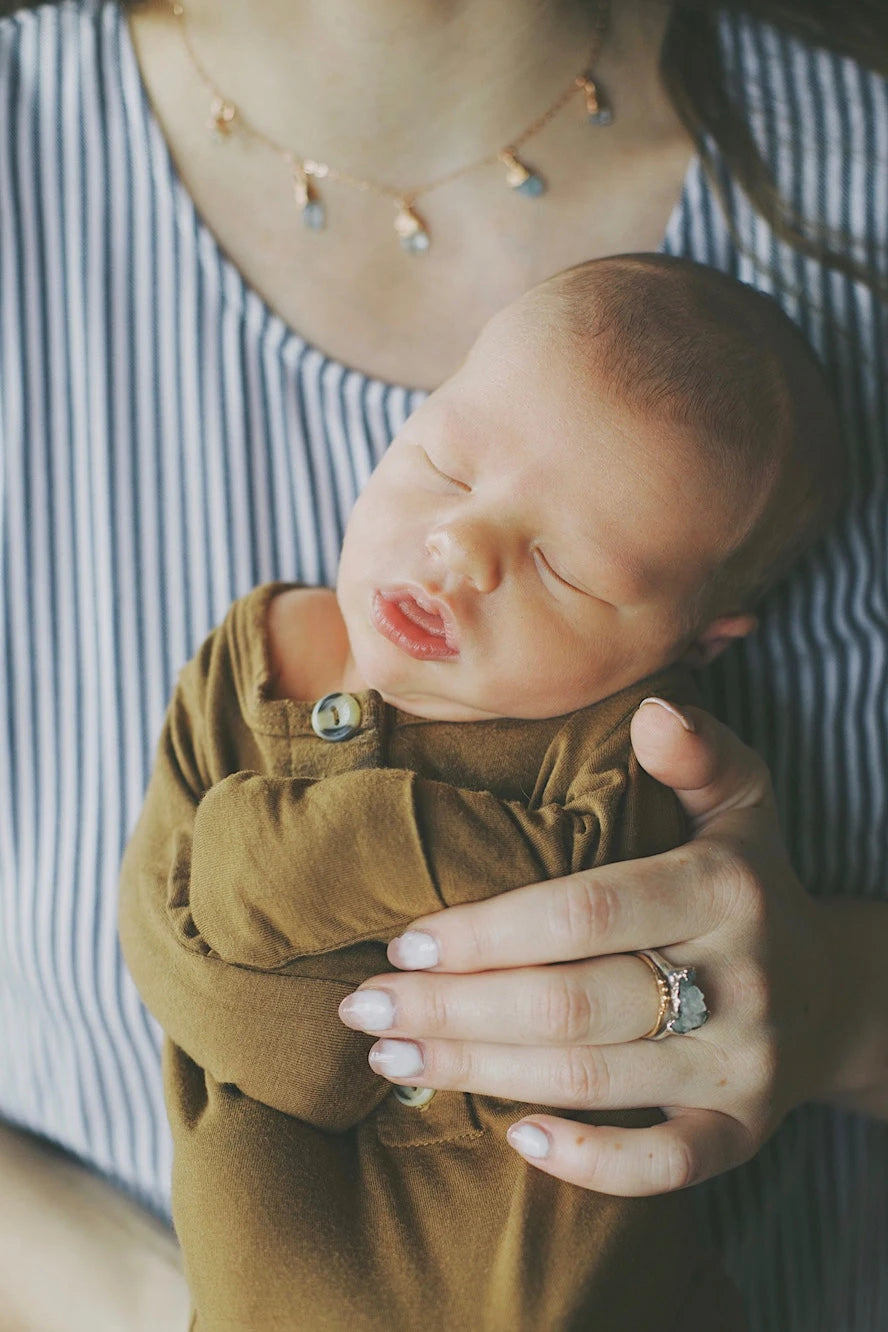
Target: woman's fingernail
[(368, 1010), (396, 1059), (670, 707), (529, 1140), (413, 951)]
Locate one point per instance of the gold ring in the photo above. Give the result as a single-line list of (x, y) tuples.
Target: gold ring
[(663, 995)]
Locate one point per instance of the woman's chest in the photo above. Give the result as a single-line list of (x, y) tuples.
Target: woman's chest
[(349, 289)]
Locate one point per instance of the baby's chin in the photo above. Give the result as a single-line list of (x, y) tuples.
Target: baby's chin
[(375, 665), (434, 708), (443, 690), (425, 693)]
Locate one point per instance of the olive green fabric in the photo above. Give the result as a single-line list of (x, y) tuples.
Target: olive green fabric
[(267, 872)]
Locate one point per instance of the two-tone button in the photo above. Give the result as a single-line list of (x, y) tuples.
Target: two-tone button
[(415, 1098), (336, 716)]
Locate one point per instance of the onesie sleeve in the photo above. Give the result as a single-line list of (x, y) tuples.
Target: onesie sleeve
[(318, 869), (360, 855), (274, 1034)]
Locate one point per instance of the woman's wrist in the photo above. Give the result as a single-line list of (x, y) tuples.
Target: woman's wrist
[(854, 1003)]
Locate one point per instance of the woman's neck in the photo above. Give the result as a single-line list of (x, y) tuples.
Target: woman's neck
[(402, 91)]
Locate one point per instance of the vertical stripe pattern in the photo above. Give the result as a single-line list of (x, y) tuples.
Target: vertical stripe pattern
[(166, 442), (806, 1223)]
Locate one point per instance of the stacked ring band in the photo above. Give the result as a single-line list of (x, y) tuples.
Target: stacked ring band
[(663, 991), (682, 1007)]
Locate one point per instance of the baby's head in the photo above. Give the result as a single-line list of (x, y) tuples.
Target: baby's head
[(630, 455)]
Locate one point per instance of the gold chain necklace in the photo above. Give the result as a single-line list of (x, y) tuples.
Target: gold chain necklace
[(410, 227)]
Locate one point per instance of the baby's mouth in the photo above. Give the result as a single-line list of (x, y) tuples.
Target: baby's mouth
[(418, 624), (429, 620)]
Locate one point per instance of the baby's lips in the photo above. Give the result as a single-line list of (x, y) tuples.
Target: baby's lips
[(443, 619)]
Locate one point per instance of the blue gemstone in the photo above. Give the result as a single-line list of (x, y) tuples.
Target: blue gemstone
[(603, 116), (417, 243), (314, 215), (532, 187), (689, 1005)]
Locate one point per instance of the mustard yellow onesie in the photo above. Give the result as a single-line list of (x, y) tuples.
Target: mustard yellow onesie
[(267, 871)]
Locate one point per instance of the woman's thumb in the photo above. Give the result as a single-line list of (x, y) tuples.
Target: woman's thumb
[(704, 762)]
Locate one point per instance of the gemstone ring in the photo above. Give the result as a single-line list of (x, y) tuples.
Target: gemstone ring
[(682, 1007)]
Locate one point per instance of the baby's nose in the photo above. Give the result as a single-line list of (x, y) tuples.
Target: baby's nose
[(469, 551)]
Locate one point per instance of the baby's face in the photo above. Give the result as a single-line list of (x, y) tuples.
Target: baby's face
[(527, 545)]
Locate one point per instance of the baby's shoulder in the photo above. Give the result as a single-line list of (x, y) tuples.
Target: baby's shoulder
[(274, 643), (305, 642)]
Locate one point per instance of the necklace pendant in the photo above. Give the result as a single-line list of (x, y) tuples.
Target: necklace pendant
[(520, 177), (411, 229), (222, 117), (598, 110), (314, 214)]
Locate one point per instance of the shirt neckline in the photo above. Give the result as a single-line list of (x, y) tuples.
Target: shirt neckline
[(234, 284)]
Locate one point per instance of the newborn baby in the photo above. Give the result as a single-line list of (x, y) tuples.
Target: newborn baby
[(629, 456)]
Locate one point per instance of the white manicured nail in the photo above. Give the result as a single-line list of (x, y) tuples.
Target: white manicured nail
[(529, 1140), (368, 1010), (397, 1059), (671, 708), (413, 951)]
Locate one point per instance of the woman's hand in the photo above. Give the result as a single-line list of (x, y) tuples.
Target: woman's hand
[(554, 1004)]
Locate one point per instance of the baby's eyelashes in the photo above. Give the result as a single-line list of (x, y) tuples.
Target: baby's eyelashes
[(445, 476), (549, 572)]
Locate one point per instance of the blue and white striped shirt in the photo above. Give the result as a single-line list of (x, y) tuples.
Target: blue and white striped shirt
[(167, 442)]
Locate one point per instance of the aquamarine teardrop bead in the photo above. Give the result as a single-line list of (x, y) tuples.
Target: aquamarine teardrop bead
[(314, 215), (533, 187), (418, 243)]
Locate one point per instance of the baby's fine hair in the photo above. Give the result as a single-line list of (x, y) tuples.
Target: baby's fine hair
[(706, 354)]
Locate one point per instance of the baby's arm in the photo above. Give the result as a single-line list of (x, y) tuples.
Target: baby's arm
[(248, 912), (248, 1027), (283, 868)]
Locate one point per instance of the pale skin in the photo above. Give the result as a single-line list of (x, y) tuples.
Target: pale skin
[(465, 72), (523, 504), (522, 1002)]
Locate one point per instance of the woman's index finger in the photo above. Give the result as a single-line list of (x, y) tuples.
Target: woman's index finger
[(611, 909)]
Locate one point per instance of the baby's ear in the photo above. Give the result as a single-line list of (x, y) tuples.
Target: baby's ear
[(712, 641)]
